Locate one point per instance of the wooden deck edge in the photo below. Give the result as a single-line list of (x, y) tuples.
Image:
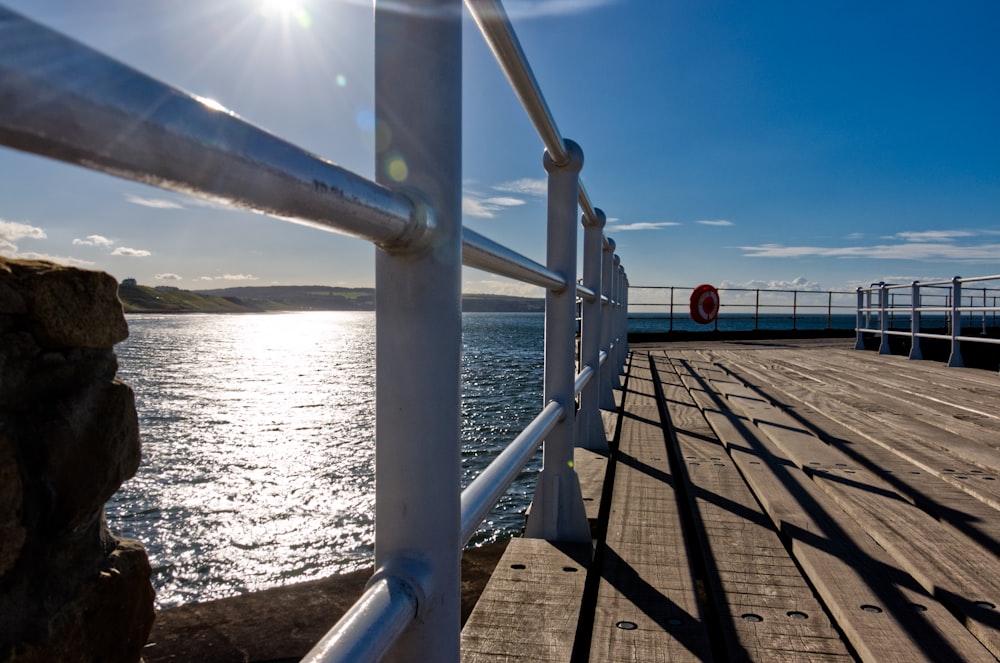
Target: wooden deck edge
[(530, 608)]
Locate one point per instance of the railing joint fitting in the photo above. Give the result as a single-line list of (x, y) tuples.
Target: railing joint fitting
[(572, 163), (420, 234), (408, 574)]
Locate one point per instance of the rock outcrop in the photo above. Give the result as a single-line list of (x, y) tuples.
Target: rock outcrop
[(69, 589)]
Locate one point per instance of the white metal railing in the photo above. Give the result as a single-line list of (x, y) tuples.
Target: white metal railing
[(749, 305), (73, 112), (881, 305)]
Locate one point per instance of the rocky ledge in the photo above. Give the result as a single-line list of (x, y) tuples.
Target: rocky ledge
[(281, 625), (69, 590)]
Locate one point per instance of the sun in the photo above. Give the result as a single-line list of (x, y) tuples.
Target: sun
[(286, 9), (280, 7)]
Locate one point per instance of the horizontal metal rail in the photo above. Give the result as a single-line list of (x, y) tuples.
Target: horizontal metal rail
[(585, 293), (479, 498), (98, 113), (763, 301), (494, 24), (582, 378), (879, 303), (371, 626), (483, 253)]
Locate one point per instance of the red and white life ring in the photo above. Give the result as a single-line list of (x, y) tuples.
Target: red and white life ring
[(704, 304)]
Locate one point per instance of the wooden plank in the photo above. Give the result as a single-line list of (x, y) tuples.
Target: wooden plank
[(908, 463), (766, 608), (959, 407), (912, 469), (949, 566), (591, 468), (530, 607), (843, 563), (932, 449), (646, 607), (966, 388)]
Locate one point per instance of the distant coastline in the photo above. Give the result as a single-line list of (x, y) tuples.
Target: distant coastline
[(262, 299)]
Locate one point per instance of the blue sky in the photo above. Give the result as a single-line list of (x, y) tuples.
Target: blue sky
[(824, 144)]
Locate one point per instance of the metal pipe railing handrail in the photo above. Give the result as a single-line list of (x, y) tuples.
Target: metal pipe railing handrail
[(480, 496), (181, 142), (178, 141), (585, 293), (495, 26), (371, 626), (582, 379), (483, 253), (880, 301), (792, 308)]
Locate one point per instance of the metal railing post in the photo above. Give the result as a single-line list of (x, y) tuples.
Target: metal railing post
[(619, 322), (883, 321), (955, 358), (868, 308), (671, 308), (418, 55), (608, 375), (624, 318), (859, 340), (614, 294), (795, 309), (557, 512), (756, 310), (590, 432), (915, 321)]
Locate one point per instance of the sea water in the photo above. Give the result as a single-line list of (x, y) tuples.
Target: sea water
[(258, 442), (258, 439)]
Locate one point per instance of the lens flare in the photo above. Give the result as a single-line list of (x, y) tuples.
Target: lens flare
[(396, 168)]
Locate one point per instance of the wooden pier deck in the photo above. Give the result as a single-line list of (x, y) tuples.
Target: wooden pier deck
[(771, 501)]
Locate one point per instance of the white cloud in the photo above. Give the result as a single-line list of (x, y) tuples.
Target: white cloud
[(94, 240), (168, 277), (237, 277), (933, 235), (526, 186), (13, 231), (487, 208), (132, 253), (798, 283), (720, 222), (156, 203), (902, 251), (205, 278), (643, 225)]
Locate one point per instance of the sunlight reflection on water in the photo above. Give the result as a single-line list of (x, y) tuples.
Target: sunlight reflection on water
[(258, 442)]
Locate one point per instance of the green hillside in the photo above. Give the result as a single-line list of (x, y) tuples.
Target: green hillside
[(256, 299), (144, 299), (300, 297)]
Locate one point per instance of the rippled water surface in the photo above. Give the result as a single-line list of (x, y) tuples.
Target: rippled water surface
[(258, 442)]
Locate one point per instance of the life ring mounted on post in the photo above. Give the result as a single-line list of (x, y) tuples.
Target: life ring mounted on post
[(704, 304)]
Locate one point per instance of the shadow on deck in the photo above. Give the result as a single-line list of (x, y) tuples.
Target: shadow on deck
[(772, 501)]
